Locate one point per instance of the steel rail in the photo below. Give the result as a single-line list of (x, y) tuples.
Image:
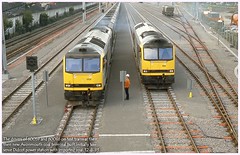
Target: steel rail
[(163, 146), (156, 121), (90, 131), (183, 122)]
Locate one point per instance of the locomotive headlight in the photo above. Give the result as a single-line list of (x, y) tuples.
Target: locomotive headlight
[(68, 85), (145, 71), (171, 71), (98, 85)]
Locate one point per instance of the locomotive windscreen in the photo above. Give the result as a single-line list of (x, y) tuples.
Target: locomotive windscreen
[(86, 64), (158, 53), (165, 53)]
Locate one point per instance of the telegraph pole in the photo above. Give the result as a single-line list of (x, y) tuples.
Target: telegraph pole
[(84, 12), (197, 9), (99, 6), (5, 74)]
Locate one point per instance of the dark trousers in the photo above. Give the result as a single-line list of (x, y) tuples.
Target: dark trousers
[(127, 93)]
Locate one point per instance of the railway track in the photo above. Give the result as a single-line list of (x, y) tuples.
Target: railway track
[(214, 84), (76, 132), (206, 59), (78, 129), (171, 131), (223, 104), (21, 94), (19, 46)]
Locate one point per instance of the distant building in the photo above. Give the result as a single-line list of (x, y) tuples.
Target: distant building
[(47, 5), (52, 9), (44, 4)]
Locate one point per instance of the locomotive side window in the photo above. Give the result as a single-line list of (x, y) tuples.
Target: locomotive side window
[(73, 65), (165, 54), (150, 53)]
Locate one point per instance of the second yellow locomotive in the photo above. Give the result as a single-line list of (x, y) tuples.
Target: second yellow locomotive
[(155, 55)]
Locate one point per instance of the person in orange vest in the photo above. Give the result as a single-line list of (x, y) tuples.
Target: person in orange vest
[(126, 86)]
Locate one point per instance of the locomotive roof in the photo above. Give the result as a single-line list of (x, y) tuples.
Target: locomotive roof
[(109, 18), (147, 34), (87, 53), (104, 21), (95, 40)]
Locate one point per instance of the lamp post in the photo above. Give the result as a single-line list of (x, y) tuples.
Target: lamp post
[(219, 26), (84, 12), (5, 72), (99, 7)]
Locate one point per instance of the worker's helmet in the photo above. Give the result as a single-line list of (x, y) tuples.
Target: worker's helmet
[(127, 75)]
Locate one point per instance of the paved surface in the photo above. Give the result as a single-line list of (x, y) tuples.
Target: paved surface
[(123, 125)]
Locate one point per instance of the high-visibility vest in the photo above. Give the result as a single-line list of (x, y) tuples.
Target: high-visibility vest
[(127, 83)]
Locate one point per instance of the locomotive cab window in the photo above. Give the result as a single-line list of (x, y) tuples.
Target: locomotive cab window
[(82, 65), (165, 54), (158, 54), (150, 53), (91, 65), (73, 65)]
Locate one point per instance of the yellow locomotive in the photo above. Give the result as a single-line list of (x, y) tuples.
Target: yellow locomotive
[(86, 66), (155, 56)]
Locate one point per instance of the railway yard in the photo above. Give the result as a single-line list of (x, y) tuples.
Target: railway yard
[(198, 113)]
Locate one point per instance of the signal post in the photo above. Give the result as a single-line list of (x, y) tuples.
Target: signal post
[(32, 65)]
